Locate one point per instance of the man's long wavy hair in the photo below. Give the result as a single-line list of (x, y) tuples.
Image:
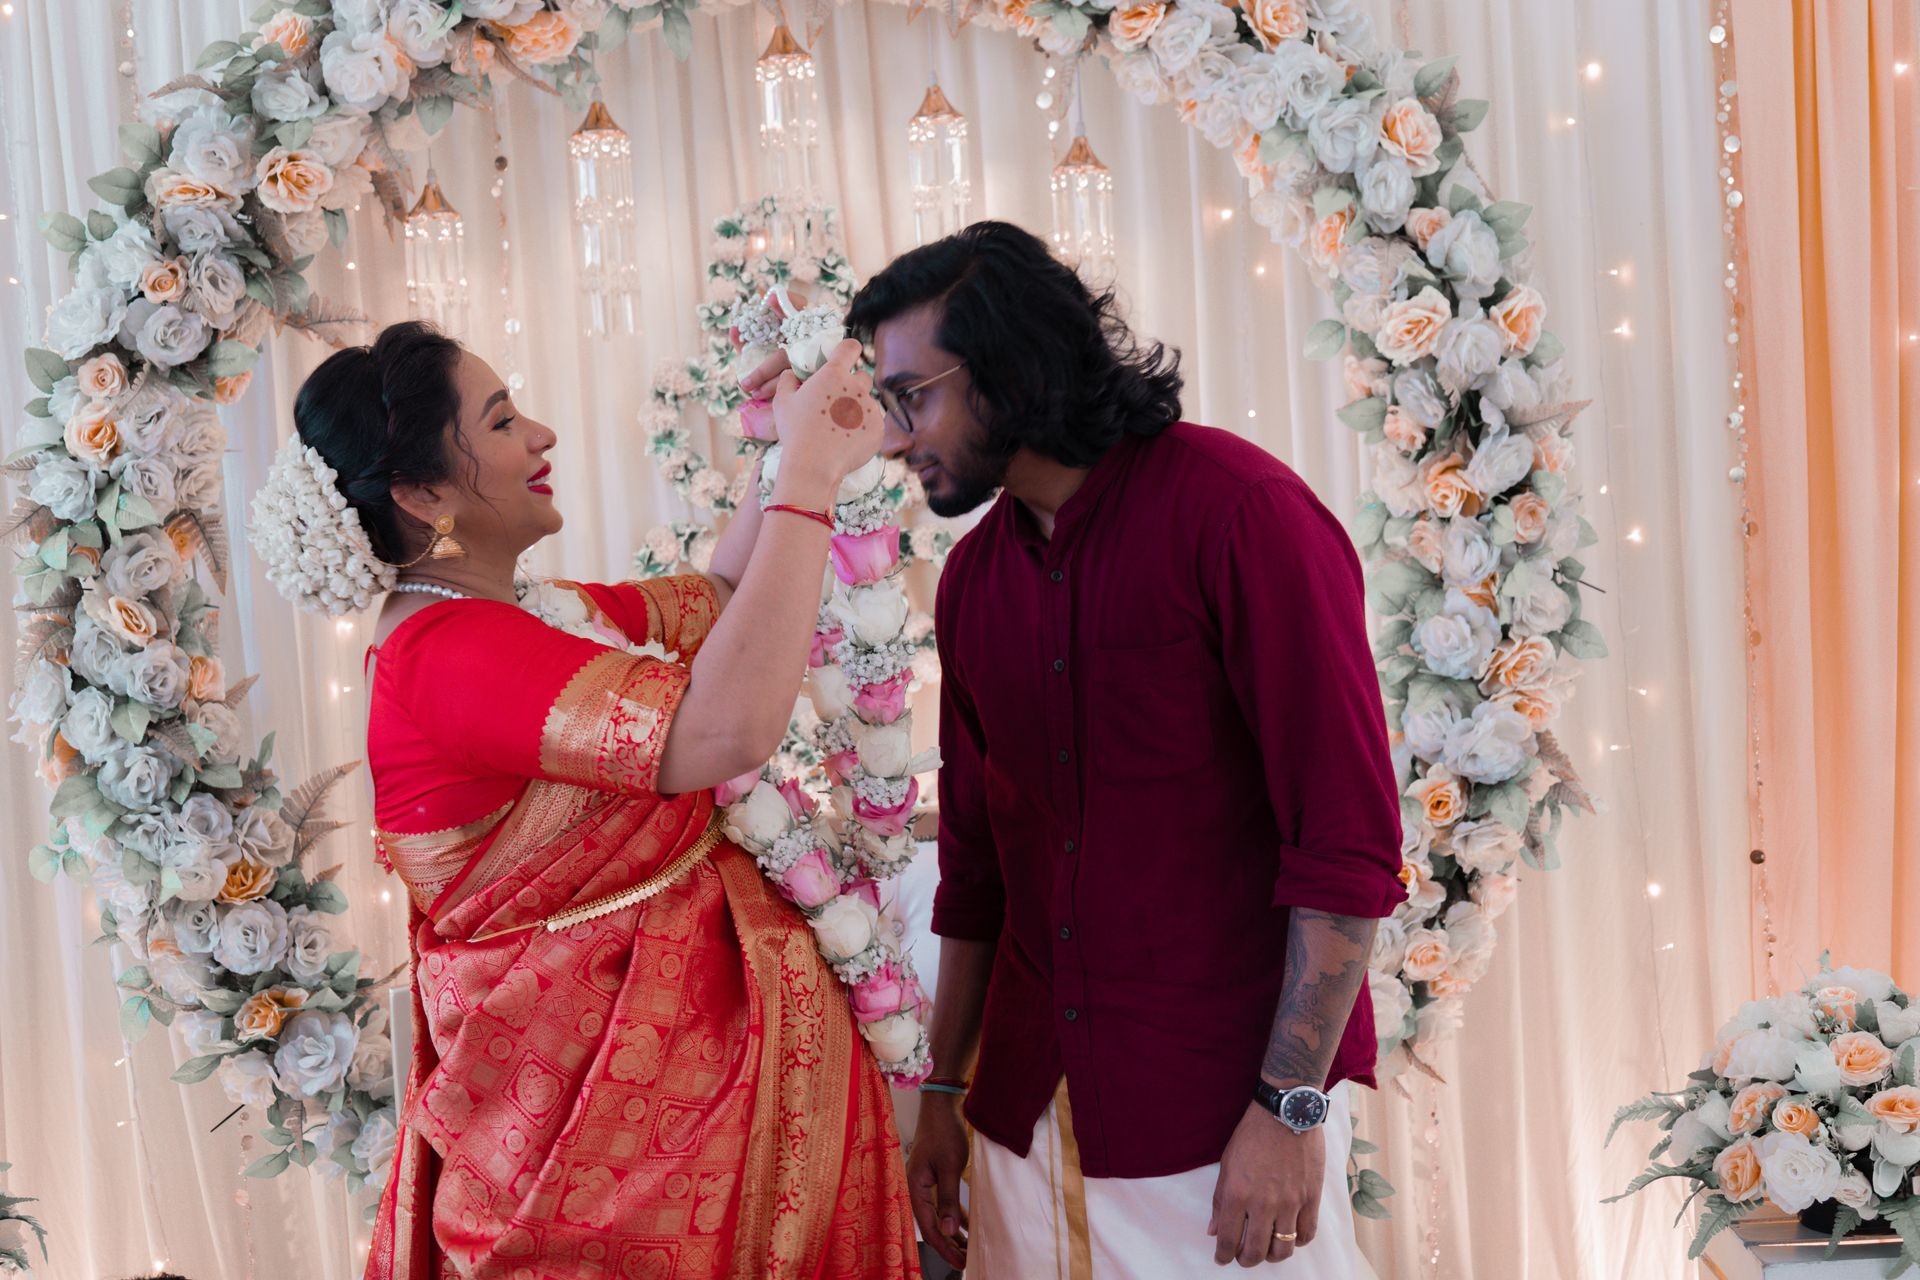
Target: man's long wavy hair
[(1054, 368)]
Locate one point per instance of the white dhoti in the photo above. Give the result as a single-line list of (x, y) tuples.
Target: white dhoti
[(1037, 1218)]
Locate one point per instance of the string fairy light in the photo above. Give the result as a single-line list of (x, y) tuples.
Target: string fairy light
[(510, 324)]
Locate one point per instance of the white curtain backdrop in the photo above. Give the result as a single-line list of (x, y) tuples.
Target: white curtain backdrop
[(1611, 971)]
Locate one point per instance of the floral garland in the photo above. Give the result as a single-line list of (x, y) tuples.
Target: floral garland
[(244, 171), (1806, 1099), (1354, 157)]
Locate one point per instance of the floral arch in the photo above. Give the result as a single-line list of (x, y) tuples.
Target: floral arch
[(1353, 155)]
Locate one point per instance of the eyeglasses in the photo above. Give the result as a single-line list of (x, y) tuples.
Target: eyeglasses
[(895, 402)]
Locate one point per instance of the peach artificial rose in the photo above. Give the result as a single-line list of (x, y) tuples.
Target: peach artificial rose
[(181, 536), (1425, 223), (92, 434), (1751, 1105), (206, 679), (1427, 955), (1275, 22), (1247, 160), (61, 761), (246, 881), (1518, 318), (1408, 130), (90, 554), (293, 32), (1738, 1171), (1552, 452), (227, 390), (1426, 542), (102, 377), (1520, 663), (1440, 798), (164, 279), (1898, 1108), (130, 620), (1449, 984), (1485, 593), (1411, 326), (1405, 433), (1539, 705), (292, 181), (1838, 1003), (473, 58), (1861, 1057), (1793, 1115), (1328, 239), (549, 36), (1134, 25), (1530, 512), (263, 1013), (168, 188), (1448, 490)]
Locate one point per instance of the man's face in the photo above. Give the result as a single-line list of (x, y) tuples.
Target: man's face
[(947, 446)]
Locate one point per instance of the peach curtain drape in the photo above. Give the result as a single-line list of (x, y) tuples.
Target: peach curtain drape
[(1829, 94)]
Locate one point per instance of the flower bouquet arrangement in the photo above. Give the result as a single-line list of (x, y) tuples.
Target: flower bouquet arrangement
[(1810, 1100)]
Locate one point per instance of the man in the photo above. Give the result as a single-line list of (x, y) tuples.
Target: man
[(1168, 815)]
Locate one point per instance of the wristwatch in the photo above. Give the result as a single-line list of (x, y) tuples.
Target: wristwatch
[(1300, 1108)]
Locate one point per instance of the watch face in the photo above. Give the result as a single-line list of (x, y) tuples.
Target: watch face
[(1303, 1108)]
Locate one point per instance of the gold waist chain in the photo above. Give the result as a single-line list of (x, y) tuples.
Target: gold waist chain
[(652, 886)]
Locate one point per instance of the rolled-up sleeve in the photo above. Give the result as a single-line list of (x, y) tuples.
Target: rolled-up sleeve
[(1288, 595), (971, 900)]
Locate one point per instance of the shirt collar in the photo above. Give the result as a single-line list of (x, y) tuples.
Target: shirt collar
[(1084, 502)]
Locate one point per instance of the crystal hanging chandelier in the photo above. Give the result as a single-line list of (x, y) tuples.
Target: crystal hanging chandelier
[(1083, 210), (789, 129), (437, 260), (937, 167), (604, 234)]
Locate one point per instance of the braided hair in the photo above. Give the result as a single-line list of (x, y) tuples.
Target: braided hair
[(381, 415)]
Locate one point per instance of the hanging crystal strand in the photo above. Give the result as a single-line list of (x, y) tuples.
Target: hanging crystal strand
[(437, 260), (603, 225), (937, 159), (1083, 203), (789, 133)]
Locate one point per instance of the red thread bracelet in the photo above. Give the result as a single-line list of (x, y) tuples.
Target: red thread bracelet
[(819, 516)]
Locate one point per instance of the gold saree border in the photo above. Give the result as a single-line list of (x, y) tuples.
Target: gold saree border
[(608, 727), (428, 861)]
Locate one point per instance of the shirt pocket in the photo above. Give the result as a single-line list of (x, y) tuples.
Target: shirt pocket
[(1151, 711)]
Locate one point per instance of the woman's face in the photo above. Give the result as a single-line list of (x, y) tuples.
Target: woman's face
[(501, 496)]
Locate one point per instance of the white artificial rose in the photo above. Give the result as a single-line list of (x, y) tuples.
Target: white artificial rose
[(287, 92), (158, 675), (1396, 480), (1180, 36), (214, 147), (1392, 1001), (893, 1037), (1797, 1174), (862, 480), (1468, 252), (196, 925), (1386, 193), (1467, 352), (125, 254), (221, 721), (351, 185), (309, 944), (83, 319), (361, 16), (216, 285), (763, 816), (1457, 641), (96, 654), (1764, 1055), (1896, 1147), (1260, 93), (372, 1069), (65, 485), (1426, 723), (1500, 461), (1438, 1019), (362, 71), (1543, 610), (316, 1049), (307, 232), (137, 777), (375, 1144), (248, 1079), (1345, 134), (832, 696), (1484, 846), (199, 228), (875, 614), (1468, 554), (1493, 894), (845, 927), (1703, 1128), (1420, 398), (1218, 118), (198, 1032), (66, 398), (201, 877), (423, 29), (1140, 79), (1855, 1192), (1491, 746), (142, 564), (1336, 17), (263, 836), (198, 487), (1310, 80), (148, 478), (253, 936), (150, 421), (43, 695), (1511, 386), (1897, 1025), (166, 335), (507, 13), (88, 725), (885, 749), (339, 139), (182, 977), (1870, 983), (1389, 946)]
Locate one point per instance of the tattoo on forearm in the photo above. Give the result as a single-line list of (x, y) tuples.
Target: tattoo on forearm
[(1326, 963)]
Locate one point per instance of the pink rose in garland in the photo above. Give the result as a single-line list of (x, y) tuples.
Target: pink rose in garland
[(839, 766), (734, 790), (885, 992), (811, 882), (797, 800), (756, 419), (863, 558), (823, 641), (885, 702), (891, 821)]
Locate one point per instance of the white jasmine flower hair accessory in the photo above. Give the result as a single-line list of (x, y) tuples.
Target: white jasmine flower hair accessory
[(317, 554)]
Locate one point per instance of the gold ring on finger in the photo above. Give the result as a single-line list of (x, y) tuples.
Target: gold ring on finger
[(1286, 1237)]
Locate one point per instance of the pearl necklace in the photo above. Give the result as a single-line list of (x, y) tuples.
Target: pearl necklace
[(431, 589)]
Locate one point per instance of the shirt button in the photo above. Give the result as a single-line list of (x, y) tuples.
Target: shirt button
[(1058, 576), (1073, 1015), (1059, 664), (1070, 846), (1062, 757), (1065, 933)]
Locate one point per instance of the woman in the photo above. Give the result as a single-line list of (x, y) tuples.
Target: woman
[(674, 1088)]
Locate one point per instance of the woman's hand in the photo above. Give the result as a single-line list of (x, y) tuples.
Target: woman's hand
[(765, 376), (830, 424)]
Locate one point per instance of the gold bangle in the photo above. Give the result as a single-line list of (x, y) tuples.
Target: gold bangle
[(652, 886)]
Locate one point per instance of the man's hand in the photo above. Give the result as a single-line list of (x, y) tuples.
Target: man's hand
[(1270, 1179), (939, 1157)]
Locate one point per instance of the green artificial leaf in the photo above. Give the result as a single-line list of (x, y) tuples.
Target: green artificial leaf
[(434, 112), (53, 552), (135, 512), (135, 978), (100, 224), (337, 225), (1508, 805), (679, 33), (1460, 199), (229, 358), (130, 720), (119, 186), (1361, 1147), (74, 796), (64, 232), (327, 897), (1546, 350), (43, 863), (1506, 215), (1325, 340), (140, 143), (45, 367), (136, 1015), (194, 1070), (294, 133), (1433, 76), (221, 777), (1369, 525), (40, 407), (218, 51), (1465, 115), (1364, 415), (1583, 640), (1279, 142), (269, 1166)]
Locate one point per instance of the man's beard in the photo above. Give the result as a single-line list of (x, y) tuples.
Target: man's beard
[(970, 482)]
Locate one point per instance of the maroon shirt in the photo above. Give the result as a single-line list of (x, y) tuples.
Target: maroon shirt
[(1161, 730)]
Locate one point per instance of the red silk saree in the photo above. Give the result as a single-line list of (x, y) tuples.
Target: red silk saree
[(672, 1090)]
